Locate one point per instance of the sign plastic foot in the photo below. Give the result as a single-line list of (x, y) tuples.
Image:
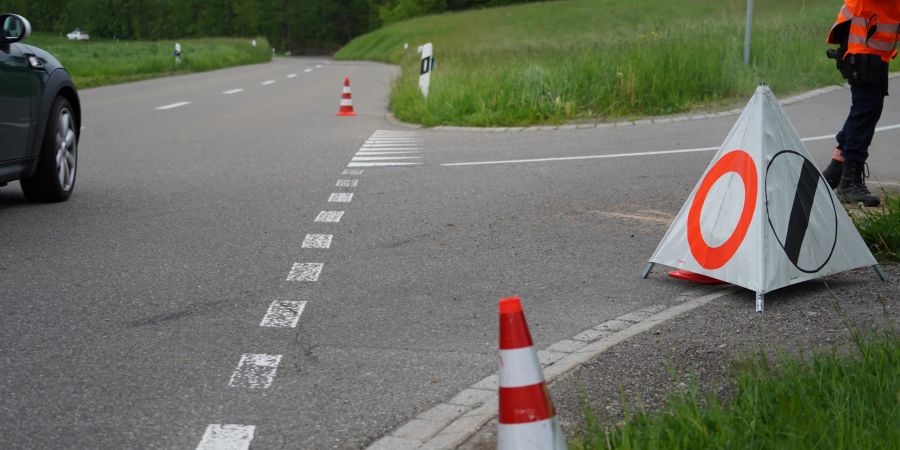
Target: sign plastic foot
[(760, 302)]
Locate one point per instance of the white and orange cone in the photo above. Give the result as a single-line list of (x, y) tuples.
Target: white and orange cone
[(527, 418), (346, 100)]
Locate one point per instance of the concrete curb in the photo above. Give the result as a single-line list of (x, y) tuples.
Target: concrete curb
[(449, 424), (626, 123)]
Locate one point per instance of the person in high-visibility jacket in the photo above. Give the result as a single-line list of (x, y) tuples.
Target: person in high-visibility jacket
[(868, 32)]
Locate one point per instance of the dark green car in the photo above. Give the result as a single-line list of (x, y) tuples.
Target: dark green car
[(40, 117)]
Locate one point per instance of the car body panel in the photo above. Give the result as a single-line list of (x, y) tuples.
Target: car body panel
[(19, 88)]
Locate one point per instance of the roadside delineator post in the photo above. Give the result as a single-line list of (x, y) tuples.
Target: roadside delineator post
[(346, 100), (527, 417)]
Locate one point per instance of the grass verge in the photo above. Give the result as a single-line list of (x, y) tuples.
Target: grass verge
[(880, 228), (829, 402), (101, 62), (570, 61)]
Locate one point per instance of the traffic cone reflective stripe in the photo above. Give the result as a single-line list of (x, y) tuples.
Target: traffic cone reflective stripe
[(346, 100), (527, 418)]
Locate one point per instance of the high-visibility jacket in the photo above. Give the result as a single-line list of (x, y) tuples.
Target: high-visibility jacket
[(874, 27)]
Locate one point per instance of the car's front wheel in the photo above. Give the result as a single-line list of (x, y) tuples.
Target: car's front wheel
[(54, 178)]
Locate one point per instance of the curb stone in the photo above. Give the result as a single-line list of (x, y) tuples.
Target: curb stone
[(448, 425), (646, 121)]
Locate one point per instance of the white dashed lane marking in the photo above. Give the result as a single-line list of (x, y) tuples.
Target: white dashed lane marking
[(317, 241), (233, 91), (307, 71), (352, 172), (173, 105), (330, 216), (283, 314), (291, 75), (227, 437), (347, 183), (394, 152), (305, 272), (255, 371), (318, 66), (383, 158), (267, 82), (381, 164), (340, 197)]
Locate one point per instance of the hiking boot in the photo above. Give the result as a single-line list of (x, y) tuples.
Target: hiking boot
[(833, 173), (852, 188)]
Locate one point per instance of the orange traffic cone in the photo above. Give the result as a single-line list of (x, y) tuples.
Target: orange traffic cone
[(346, 101), (695, 277), (527, 418)]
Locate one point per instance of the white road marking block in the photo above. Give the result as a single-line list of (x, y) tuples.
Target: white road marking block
[(317, 241), (291, 75), (383, 158), (330, 216), (227, 437), (347, 183), (352, 172), (307, 71), (381, 164), (318, 66), (173, 105), (255, 371), (378, 152), (283, 314), (340, 197), (305, 272), (267, 82), (233, 91)]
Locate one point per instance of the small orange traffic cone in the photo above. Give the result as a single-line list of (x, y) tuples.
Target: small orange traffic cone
[(527, 418), (695, 277), (346, 100)]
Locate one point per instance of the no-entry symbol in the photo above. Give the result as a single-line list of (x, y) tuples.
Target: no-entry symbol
[(801, 211), (741, 163)]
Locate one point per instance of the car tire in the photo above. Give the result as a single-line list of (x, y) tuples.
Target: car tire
[(54, 178)]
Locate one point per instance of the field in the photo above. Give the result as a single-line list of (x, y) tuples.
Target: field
[(580, 60), (101, 62)]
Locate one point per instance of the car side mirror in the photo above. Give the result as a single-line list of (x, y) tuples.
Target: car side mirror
[(14, 28)]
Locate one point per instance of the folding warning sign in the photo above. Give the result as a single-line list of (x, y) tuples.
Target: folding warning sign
[(762, 216)]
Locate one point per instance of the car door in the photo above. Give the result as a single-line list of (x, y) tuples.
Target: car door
[(18, 89)]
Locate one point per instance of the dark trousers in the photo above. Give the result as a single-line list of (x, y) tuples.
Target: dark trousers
[(859, 128)]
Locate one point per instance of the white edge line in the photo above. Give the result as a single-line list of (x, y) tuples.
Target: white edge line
[(173, 105), (622, 155)]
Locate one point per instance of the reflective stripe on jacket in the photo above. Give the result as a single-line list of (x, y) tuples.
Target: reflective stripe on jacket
[(874, 27)]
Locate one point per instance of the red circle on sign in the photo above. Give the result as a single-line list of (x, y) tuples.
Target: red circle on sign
[(712, 258)]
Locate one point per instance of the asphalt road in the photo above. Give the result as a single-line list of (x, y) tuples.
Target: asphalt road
[(125, 311)]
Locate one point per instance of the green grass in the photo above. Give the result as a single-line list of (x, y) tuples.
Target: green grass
[(576, 60), (101, 62), (880, 228), (830, 402)]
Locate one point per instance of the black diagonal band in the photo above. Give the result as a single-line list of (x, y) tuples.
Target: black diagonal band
[(803, 202)]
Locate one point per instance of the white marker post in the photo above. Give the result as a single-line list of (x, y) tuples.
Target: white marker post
[(425, 68), (253, 42), (177, 54)]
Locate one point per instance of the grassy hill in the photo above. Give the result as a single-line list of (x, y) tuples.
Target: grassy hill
[(578, 60), (100, 62)]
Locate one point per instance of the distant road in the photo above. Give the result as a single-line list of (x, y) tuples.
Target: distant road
[(235, 254)]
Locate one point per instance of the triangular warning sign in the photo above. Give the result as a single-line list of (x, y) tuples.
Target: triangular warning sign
[(762, 216)]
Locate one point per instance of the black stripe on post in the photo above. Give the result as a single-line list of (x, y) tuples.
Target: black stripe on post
[(803, 202)]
